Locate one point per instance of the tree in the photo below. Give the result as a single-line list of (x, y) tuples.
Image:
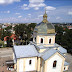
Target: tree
[(64, 37), (5, 33), (24, 32)]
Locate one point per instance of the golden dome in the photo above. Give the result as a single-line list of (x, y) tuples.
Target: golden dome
[(45, 27), (45, 18)]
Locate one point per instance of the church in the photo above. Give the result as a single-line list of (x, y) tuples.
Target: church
[(42, 54)]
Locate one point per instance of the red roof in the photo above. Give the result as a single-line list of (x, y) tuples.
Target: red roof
[(13, 36), (5, 38)]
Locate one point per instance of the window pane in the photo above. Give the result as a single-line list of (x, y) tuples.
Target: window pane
[(30, 62), (49, 40), (54, 63), (41, 40)]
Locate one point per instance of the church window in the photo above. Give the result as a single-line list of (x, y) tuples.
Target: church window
[(35, 39), (41, 40), (64, 68), (30, 61), (54, 63), (49, 41)]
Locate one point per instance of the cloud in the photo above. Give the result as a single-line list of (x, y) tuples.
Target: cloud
[(35, 4), (8, 11), (8, 1), (25, 7), (36, 1), (29, 14), (5, 11), (70, 12), (58, 18), (24, 4), (50, 8), (17, 13), (40, 15), (36, 8), (19, 16)]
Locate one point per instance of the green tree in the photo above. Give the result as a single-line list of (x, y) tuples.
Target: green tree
[(24, 31), (64, 37), (5, 33)]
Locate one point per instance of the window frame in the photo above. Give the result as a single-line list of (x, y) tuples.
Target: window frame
[(54, 64), (30, 62), (40, 40), (50, 41)]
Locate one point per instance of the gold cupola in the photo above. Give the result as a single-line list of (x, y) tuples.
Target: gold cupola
[(45, 18), (45, 27)]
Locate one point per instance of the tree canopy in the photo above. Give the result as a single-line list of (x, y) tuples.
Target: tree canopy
[(24, 31), (64, 37)]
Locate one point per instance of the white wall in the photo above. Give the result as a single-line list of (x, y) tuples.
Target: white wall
[(51, 40), (21, 62), (40, 39), (50, 64), (66, 68), (31, 67), (46, 39)]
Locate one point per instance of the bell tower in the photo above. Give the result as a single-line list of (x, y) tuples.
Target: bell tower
[(44, 33)]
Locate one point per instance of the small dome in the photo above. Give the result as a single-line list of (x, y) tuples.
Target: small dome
[(44, 28)]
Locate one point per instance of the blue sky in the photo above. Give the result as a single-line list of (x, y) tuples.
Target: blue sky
[(27, 11)]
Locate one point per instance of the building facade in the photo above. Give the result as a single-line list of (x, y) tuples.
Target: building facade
[(43, 54)]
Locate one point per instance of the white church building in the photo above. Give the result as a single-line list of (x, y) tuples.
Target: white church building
[(43, 54)]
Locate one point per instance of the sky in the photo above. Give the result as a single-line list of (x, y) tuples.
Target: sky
[(31, 11)]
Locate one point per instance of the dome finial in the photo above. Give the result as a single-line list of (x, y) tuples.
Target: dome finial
[(45, 17), (45, 10)]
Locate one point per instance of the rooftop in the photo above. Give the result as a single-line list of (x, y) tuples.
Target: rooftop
[(25, 51)]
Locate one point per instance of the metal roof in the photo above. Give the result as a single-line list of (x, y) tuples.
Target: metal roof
[(44, 28), (61, 49), (66, 63), (25, 51), (49, 53)]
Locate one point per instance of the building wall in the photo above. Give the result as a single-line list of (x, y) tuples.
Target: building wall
[(49, 63), (38, 64), (66, 68), (46, 40), (23, 64), (41, 50)]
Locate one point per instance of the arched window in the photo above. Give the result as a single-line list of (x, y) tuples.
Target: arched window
[(49, 41), (30, 61), (41, 40), (64, 68), (54, 63), (35, 39)]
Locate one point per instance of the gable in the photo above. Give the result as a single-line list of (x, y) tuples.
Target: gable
[(49, 53), (56, 56), (59, 63)]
